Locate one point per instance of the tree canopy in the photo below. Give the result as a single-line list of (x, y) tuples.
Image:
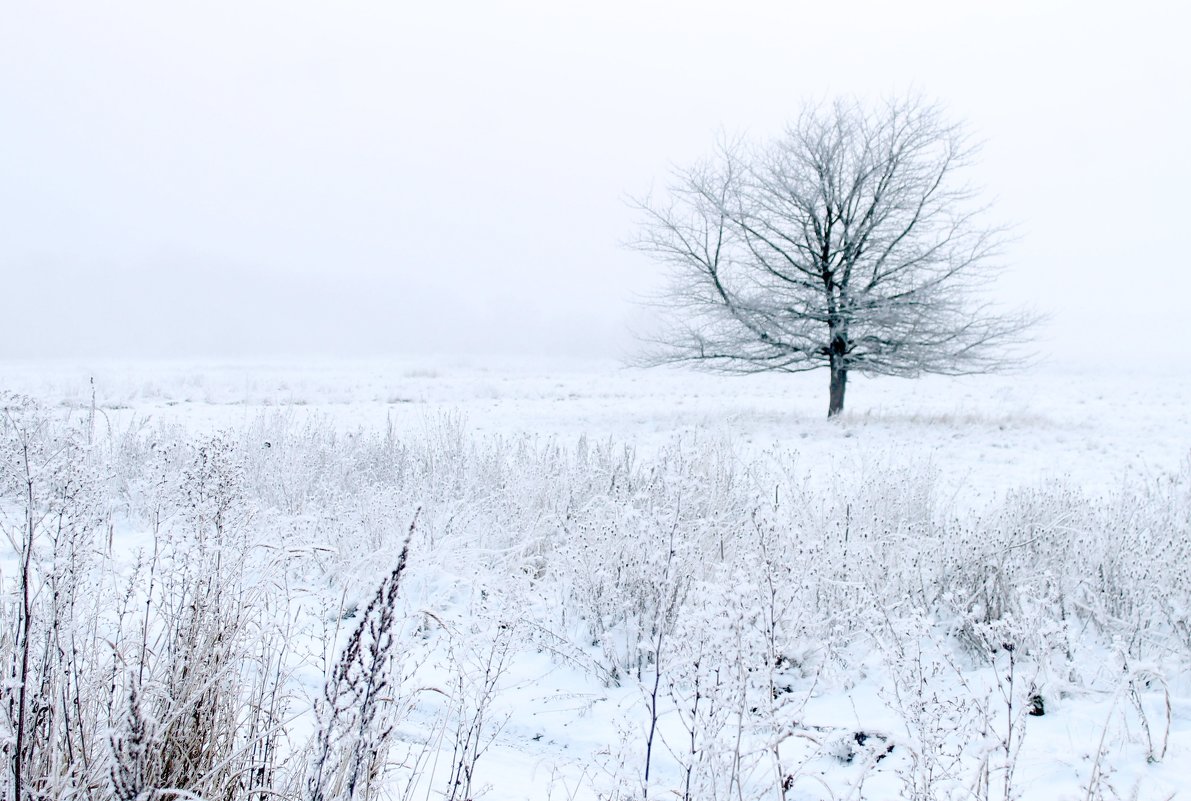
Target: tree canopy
[(851, 241)]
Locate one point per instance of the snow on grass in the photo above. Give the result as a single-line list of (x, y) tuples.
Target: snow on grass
[(621, 584)]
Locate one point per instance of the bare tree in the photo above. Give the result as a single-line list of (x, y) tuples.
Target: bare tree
[(851, 242)]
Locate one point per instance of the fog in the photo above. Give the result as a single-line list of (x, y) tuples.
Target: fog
[(299, 179)]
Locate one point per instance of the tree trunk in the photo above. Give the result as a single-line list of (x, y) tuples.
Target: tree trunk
[(839, 383), (837, 352)]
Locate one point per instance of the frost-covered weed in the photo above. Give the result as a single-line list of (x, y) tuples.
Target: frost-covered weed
[(52, 516), (198, 676), (361, 699)]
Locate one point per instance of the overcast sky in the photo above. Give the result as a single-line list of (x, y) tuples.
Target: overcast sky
[(355, 178)]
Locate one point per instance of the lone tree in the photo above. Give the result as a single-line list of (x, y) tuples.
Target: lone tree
[(851, 242)]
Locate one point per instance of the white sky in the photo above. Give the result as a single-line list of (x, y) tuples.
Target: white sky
[(286, 178)]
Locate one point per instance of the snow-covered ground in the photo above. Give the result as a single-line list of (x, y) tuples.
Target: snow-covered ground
[(1096, 428), (918, 693)]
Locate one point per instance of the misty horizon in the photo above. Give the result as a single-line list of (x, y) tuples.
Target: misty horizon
[(287, 180)]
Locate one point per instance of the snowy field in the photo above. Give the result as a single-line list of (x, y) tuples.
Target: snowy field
[(1095, 429), (621, 584)]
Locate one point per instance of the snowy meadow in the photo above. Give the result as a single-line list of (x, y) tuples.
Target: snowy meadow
[(442, 579)]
